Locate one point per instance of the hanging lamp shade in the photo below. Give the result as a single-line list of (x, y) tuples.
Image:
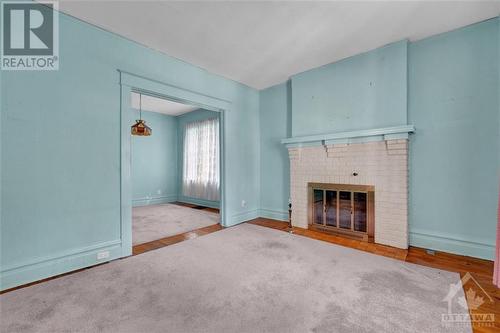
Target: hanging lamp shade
[(140, 128)]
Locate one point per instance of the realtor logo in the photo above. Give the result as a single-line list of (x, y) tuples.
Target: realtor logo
[(30, 35), (474, 297)]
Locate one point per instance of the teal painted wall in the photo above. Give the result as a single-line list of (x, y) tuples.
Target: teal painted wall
[(361, 92), (275, 123), (454, 153), (453, 101), (182, 121), (154, 168), (60, 151), (157, 160)]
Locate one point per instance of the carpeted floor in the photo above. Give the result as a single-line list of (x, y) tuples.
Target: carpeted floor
[(153, 222), (242, 279)]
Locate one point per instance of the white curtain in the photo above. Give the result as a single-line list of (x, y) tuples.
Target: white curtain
[(200, 177)]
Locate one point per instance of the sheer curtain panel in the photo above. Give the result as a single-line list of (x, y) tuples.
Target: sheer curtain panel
[(200, 177)]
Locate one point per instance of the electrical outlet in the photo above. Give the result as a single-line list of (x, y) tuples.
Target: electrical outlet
[(102, 255), (243, 203), (159, 191)]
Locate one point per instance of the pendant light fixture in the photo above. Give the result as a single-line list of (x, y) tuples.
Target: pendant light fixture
[(140, 128)]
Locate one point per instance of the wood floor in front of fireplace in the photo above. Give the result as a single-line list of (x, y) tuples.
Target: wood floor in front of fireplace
[(367, 246)]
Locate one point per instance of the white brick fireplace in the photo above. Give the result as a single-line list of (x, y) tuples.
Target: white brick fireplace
[(379, 160)]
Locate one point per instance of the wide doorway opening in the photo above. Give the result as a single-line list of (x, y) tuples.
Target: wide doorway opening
[(175, 168)]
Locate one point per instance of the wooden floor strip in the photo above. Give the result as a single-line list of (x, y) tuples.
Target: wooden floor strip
[(156, 244)]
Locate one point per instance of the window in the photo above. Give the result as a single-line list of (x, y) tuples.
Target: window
[(200, 178)]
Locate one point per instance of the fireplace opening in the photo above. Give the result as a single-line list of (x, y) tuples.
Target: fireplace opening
[(342, 209)]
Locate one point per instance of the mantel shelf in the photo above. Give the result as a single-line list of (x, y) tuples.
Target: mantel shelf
[(376, 134)]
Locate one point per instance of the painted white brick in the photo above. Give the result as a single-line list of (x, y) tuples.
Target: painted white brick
[(382, 164)]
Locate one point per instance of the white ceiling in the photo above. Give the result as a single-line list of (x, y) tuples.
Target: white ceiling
[(160, 105), (263, 43)]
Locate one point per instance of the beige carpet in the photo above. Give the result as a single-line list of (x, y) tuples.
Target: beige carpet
[(241, 279), (153, 222)]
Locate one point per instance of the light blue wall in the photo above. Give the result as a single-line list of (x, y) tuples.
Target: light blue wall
[(361, 92), (454, 153), (275, 123), (453, 89), (60, 151), (157, 160), (196, 115), (155, 174)]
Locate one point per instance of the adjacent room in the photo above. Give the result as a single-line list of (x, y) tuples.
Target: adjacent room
[(175, 172), (249, 166)]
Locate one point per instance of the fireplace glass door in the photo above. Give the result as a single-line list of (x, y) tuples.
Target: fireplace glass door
[(319, 206), (360, 204), (343, 210), (331, 208)]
